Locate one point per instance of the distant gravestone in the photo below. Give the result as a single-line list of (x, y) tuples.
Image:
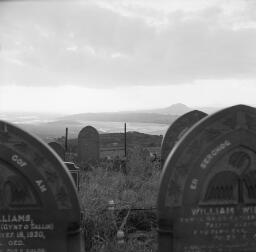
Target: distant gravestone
[(88, 146), (39, 207), (138, 161), (58, 149), (177, 130), (207, 196), (75, 172)]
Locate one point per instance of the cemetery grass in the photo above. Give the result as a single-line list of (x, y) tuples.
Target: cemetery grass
[(136, 190)]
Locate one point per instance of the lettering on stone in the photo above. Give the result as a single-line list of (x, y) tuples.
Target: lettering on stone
[(39, 206), (213, 206)]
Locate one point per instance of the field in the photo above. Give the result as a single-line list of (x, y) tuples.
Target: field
[(133, 199)]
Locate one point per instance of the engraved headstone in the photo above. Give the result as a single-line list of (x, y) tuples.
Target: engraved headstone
[(39, 207), (207, 196), (58, 149), (177, 129), (88, 146)]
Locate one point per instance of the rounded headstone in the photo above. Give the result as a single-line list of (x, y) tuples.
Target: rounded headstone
[(58, 149), (177, 129), (207, 196), (39, 206), (88, 146)]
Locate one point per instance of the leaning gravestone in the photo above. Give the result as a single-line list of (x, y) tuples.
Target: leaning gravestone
[(177, 130), (88, 146), (207, 196), (58, 149), (39, 207)]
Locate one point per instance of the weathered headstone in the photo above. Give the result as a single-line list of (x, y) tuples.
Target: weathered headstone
[(74, 171), (88, 146), (177, 129), (207, 196), (39, 207), (138, 161), (58, 149)]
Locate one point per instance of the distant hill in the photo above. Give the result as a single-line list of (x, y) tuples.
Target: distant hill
[(160, 115), (49, 127), (175, 109), (121, 117), (51, 130), (116, 140)]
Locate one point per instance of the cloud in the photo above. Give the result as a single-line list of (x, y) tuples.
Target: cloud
[(97, 45)]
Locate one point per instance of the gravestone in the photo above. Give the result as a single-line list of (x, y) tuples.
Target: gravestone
[(138, 161), (207, 195), (58, 149), (177, 129), (88, 146), (74, 171), (39, 207)]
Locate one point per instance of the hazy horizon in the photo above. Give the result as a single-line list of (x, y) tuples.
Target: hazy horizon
[(66, 57), (138, 110)]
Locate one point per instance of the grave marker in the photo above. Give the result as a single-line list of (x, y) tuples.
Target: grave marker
[(74, 171), (88, 146), (177, 129), (138, 161), (58, 149), (207, 196), (39, 207)]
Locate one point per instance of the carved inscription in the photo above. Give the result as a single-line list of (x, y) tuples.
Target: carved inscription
[(212, 206), (17, 232), (214, 153), (39, 207), (218, 229), (31, 153)]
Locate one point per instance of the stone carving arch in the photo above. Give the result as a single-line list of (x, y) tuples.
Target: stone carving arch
[(222, 188)]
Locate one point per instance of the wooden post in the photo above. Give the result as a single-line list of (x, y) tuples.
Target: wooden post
[(125, 150), (66, 144)]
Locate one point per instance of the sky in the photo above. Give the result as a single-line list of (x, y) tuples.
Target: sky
[(113, 55)]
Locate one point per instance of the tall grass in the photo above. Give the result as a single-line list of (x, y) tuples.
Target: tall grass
[(137, 189)]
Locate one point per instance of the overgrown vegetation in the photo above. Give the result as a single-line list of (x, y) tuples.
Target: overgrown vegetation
[(134, 190)]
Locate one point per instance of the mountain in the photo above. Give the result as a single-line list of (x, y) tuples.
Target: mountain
[(162, 115), (48, 127), (175, 109)]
